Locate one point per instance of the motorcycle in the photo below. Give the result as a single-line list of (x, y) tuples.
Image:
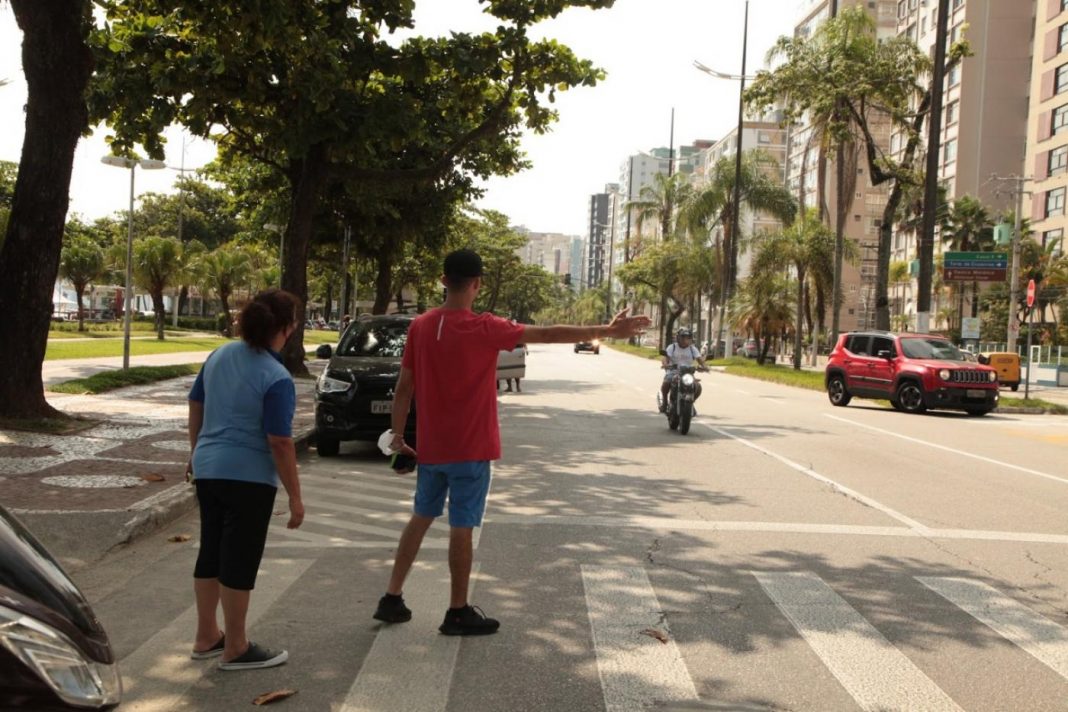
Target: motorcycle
[(685, 388)]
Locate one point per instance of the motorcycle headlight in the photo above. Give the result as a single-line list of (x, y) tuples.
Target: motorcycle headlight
[(74, 678), (944, 374), (327, 384), (687, 380), (992, 375)]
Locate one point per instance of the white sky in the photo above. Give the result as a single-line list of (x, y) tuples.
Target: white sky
[(646, 47)]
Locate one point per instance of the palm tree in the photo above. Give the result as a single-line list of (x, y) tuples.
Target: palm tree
[(969, 227), (81, 262), (223, 270), (900, 277), (763, 307), (804, 244), (157, 262)]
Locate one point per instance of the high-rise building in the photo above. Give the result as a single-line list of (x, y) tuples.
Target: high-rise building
[(1047, 131), (598, 234), (985, 115)]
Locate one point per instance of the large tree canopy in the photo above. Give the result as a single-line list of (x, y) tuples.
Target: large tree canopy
[(315, 90)]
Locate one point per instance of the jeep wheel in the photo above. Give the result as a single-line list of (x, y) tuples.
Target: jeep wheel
[(978, 411), (837, 392), (328, 447), (910, 397)]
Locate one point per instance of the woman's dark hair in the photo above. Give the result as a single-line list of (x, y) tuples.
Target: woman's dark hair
[(269, 312)]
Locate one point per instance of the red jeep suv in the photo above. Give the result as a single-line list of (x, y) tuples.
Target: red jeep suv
[(913, 371)]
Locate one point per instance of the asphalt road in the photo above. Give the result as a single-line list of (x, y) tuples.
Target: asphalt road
[(791, 555)]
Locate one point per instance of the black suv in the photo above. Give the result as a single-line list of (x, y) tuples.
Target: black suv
[(354, 394)]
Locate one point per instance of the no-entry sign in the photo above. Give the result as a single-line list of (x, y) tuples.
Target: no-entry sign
[(1030, 293)]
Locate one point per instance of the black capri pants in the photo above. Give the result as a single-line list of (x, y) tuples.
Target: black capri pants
[(234, 517)]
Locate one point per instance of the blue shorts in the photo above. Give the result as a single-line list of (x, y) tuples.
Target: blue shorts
[(467, 484)]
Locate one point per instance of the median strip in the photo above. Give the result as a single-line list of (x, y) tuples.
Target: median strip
[(110, 380)]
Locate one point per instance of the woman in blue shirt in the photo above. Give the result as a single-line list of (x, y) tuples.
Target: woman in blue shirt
[(240, 431)]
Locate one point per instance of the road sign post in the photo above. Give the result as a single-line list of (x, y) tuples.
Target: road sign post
[(1030, 330), (975, 266)]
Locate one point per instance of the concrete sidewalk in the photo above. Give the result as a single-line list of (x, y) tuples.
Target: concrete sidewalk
[(86, 492)]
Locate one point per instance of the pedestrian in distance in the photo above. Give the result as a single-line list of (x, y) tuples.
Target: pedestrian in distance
[(240, 431), (449, 366)]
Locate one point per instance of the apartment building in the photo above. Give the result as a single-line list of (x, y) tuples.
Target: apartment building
[(598, 236), (1047, 130), (552, 251), (985, 117), (803, 166)]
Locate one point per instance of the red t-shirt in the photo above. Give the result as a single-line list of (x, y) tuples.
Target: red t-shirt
[(452, 353)]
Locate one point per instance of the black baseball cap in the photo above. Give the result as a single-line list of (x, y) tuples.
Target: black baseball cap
[(463, 264)]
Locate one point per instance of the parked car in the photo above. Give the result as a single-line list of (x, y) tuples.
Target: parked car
[(913, 371), (54, 654), (750, 349), (594, 346), (512, 364), (1007, 364), (354, 394)]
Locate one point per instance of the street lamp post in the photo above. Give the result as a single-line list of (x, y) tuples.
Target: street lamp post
[(731, 260), (131, 163)]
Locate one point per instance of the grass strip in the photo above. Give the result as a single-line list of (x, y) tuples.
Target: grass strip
[(1009, 402), (110, 380), (64, 349), (110, 334), (643, 351)]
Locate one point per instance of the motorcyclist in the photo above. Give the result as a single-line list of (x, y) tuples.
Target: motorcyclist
[(680, 353)]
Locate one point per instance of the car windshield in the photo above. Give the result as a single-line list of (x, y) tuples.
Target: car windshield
[(931, 348), (376, 339)]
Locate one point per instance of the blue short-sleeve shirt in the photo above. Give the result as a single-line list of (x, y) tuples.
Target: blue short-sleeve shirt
[(247, 395)]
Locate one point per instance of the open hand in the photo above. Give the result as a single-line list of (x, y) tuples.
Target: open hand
[(623, 326)]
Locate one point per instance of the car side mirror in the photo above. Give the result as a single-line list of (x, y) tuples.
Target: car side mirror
[(324, 351), (885, 354)]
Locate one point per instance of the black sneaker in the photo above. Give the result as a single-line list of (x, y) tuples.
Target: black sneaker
[(468, 620), (391, 609), (255, 658)]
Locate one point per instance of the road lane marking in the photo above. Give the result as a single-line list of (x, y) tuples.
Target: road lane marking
[(410, 665), (157, 674), (400, 489), (1034, 633), (809, 472), (636, 669), (671, 524), (955, 451), (869, 667)]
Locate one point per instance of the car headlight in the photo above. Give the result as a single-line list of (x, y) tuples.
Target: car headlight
[(326, 384), (992, 375), (944, 374), (596, 342), (74, 678), (687, 380)]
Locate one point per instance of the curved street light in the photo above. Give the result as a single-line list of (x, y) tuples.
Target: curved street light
[(147, 164)]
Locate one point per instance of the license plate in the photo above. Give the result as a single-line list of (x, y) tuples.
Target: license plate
[(975, 393), (379, 407)]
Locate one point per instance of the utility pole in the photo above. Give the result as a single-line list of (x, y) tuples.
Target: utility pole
[(346, 296), (934, 151), (181, 220), (1018, 192)]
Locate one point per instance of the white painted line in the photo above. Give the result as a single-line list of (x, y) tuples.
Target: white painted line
[(955, 451), (399, 489), (874, 672), (346, 544), (409, 665), (329, 521), (157, 674), (335, 493), (809, 472), (670, 524), (1034, 633), (636, 669)]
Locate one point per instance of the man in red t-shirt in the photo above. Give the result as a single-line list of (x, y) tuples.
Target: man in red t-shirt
[(449, 366)]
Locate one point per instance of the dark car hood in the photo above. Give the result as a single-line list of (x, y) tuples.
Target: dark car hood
[(373, 366), (32, 582)]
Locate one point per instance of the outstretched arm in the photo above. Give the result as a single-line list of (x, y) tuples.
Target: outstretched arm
[(621, 327)]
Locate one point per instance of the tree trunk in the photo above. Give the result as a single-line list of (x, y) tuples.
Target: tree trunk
[(183, 301), (57, 64), (161, 312), (224, 300), (383, 280), (400, 300), (328, 306), (800, 313), (79, 292), (307, 177)]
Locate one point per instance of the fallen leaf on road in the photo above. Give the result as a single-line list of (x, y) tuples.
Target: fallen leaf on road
[(269, 697), (179, 538), (153, 478), (658, 634)]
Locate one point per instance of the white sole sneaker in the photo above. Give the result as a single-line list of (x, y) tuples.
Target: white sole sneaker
[(256, 658)]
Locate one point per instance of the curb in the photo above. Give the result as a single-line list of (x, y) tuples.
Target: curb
[(164, 508), (1015, 410)]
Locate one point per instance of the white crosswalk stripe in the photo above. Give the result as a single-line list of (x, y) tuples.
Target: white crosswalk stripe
[(157, 674), (874, 672), (1038, 635), (637, 668)]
